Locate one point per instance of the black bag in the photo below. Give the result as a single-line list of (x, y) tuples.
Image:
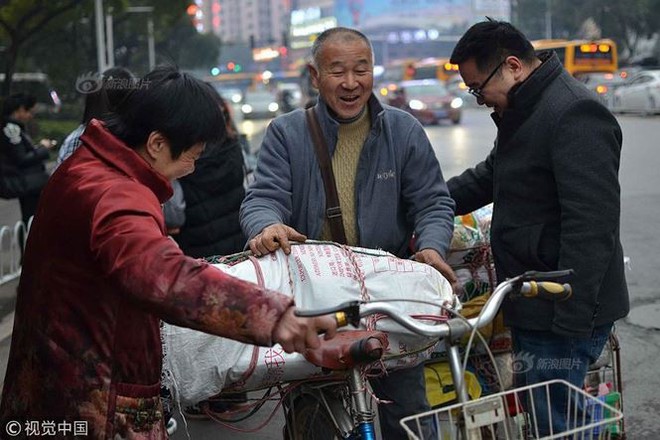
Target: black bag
[(13, 187)]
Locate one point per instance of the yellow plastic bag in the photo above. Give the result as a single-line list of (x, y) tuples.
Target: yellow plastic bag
[(440, 385), (472, 308)]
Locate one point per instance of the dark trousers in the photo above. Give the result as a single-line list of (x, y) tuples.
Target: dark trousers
[(28, 207), (540, 356), (407, 391)]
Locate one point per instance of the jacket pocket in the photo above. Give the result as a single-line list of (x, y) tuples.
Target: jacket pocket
[(530, 246), (138, 411)]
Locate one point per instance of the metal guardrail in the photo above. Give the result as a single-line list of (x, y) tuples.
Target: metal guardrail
[(10, 250)]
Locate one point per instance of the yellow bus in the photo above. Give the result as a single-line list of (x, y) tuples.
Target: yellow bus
[(583, 56), (434, 68)]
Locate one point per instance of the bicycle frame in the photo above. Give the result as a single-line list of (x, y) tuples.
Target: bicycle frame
[(343, 396), (360, 424), (341, 400), (454, 329)]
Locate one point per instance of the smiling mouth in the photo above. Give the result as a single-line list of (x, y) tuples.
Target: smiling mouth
[(350, 99)]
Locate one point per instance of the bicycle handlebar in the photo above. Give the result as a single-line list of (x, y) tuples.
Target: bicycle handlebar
[(528, 285)]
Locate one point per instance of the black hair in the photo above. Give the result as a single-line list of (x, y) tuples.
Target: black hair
[(177, 105), (16, 101), (490, 42), (346, 34), (116, 82)]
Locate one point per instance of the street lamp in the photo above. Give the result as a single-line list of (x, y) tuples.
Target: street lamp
[(100, 37)]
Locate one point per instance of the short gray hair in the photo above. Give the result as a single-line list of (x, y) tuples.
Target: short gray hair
[(342, 33)]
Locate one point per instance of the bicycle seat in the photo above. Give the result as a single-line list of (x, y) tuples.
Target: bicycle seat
[(348, 349)]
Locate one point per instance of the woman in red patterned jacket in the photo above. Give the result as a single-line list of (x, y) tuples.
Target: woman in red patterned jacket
[(100, 272)]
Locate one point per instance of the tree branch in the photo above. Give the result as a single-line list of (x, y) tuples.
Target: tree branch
[(10, 30), (44, 20)]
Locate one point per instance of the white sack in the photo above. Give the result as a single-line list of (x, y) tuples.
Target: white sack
[(318, 275)]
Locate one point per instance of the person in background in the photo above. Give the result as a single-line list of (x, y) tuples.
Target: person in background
[(213, 194), (115, 84), (399, 99), (100, 272), (203, 216), (22, 164), (174, 209), (388, 179), (553, 178)]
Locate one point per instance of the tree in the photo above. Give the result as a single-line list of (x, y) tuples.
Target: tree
[(21, 20), (65, 47), (190, 49), (624, 21), (176, 39)]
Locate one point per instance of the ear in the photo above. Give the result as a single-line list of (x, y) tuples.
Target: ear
[(314, 75), (516, 66), (156, 145)]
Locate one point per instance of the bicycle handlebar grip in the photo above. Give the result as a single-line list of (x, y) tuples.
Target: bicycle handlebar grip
[(546, 290), (345, 313), (342, 319), (343, 307)]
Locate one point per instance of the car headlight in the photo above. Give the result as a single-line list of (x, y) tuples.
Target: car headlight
[(273, 107), (456, 103), (236, 98), (246, 108), (416, 104)]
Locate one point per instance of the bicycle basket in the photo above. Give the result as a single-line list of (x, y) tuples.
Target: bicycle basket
[(549, 410)]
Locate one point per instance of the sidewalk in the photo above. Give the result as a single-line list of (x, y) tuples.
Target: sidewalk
[(7, 304)]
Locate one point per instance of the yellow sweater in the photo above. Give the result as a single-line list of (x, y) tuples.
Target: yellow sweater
[(350, 140)]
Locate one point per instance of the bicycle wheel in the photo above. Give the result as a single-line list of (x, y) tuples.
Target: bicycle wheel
[(309, 419)]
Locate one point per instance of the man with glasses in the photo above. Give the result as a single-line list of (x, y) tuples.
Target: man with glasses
[(553, 178)]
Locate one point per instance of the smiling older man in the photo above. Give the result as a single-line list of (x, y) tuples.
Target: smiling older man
[(389, 185)]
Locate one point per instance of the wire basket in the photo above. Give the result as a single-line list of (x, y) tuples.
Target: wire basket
[(549, 410)]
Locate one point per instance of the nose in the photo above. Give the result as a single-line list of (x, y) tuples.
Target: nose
[(349, 81), (480, 100)]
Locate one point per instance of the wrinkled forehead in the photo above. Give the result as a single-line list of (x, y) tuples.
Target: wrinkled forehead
[(344, 47)]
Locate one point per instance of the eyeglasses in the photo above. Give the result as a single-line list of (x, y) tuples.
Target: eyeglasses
[(477, 91)]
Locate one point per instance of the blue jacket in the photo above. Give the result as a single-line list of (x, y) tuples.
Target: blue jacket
[(399, 186)]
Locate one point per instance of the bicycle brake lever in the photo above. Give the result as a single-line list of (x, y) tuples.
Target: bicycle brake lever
[(558, 276)]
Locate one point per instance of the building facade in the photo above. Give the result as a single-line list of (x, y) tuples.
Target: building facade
[(255, 22)]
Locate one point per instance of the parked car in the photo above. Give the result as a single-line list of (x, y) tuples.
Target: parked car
[(603, 85), (457, 87), (259, 104), (428, 100), (233, 95), (640, 94)]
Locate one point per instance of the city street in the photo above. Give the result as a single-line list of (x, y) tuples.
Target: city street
[(458, 147)]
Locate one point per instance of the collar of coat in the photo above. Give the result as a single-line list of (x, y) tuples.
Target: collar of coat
[(116, 154), (526, 94)]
